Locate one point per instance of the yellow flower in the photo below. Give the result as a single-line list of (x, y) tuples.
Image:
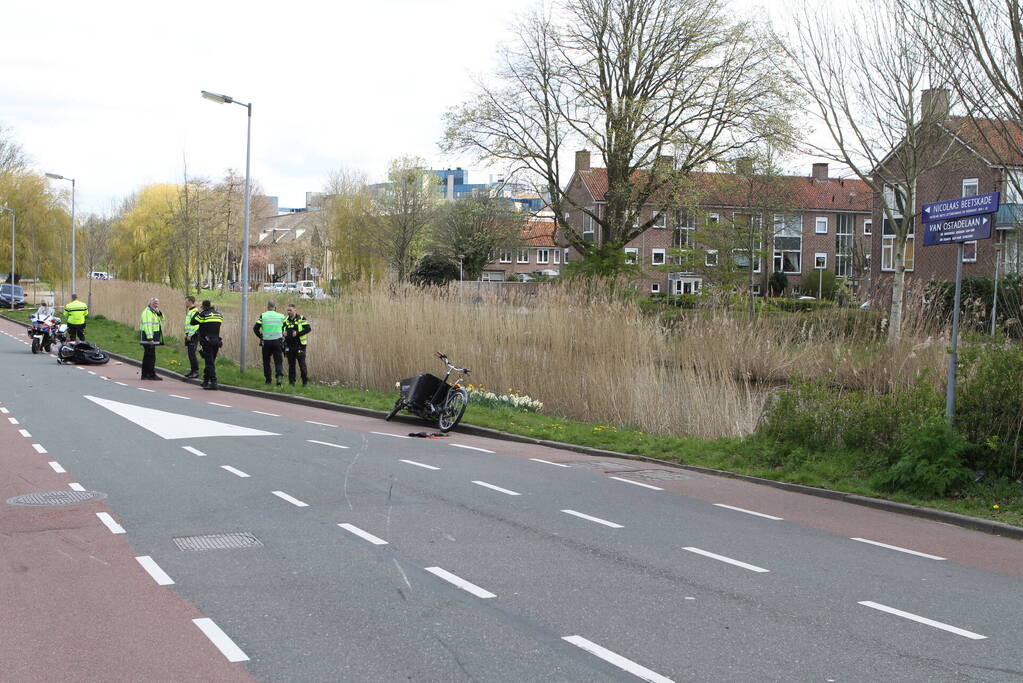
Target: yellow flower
[(995, 506)]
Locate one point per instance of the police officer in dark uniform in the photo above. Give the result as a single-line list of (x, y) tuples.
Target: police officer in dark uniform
[(191, 340), (296, 327), (209, 320)]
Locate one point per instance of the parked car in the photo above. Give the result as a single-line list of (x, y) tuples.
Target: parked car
[(12, 296), (306, 287), (100, 275), (278, 287)]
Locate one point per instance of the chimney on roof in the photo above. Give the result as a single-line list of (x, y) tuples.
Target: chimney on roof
[(820, 171), (744, 165), (934, 104), (582, 160)]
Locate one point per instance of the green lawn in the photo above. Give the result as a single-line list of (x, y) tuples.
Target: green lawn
[(744, 456)]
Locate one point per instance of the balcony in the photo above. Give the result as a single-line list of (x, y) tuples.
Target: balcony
[(1009, 215)]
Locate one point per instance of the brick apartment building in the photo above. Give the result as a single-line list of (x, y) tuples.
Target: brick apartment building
[(813, 221), (538, 253)]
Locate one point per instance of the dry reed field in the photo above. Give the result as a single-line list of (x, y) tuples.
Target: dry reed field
[(591, 358)]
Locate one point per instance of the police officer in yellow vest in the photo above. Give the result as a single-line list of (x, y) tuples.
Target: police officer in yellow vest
[(296, 330), (191, 339), (270, 330), (151, 336), (74, 315)]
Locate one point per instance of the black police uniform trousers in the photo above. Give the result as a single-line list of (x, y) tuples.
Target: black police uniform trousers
[(190, 346), (273, 348), (148, 360), (296, 354), (75, 332), (209, 353)]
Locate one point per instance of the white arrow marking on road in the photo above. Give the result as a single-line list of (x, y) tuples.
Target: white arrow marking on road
[(923, 620), (174, 425), (901, 550), (622, 663)]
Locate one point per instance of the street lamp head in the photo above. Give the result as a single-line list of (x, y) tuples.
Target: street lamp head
[(55, 176), (215, 97)]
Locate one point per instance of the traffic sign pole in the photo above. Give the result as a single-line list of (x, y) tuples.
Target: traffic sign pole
[(953, 356)]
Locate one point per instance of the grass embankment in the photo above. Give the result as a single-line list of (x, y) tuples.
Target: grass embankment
[(836, 471)]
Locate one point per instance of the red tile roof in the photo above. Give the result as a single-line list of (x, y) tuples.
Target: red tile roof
[(999, 142), (795, 192), (539, 232)]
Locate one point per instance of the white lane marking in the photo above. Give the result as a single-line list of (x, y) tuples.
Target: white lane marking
[(622, 663), (114, 527), (24, 433), (193, 451), (722, 558), (636, 483), (294, 501), (399, 436), (105, 379), (234, 471), (472, 448), (548, 462), (57, 468), (748, 512), (322, 424), (13, 421), (159, 575), (901, 550), (184, 397), (75, 486), (175, 425), (222, 405), (923, 620), (363, 534), (419, 464), (496, 488), (121, 383), (4, 411), (460, 582), (39, 448), (265, 413), (223, 642), (326, 443), (91, 372), (151, 391), (598, 520)]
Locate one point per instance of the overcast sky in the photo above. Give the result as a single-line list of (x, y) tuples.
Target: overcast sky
[(108, 92)]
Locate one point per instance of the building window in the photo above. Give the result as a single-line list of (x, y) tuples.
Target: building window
[(970, 251), (631, 254), (660, 220), (655, 288), (589, 225), (788, 243), (1011, 251), (711, 258), (566, 256), (820, 261), (543, 256), (657, 257), (523, 256), (683, 285), (888, 247), (682, 238), (821, 225), (557, 256), (713, 219), (1012, 193), (506, 257), (895, 201), (868, 228), (971, 187), (742, 259), (493, 276), (844, 244)]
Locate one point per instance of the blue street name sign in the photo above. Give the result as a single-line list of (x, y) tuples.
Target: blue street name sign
[(961, 207), (958, 230)]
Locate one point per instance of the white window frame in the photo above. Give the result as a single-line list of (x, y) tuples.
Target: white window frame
[(660, 220), (655, 288), (818, 264), (713, 219), (889, 199), (971, 187), (787, 226), (520, 259), (505, 257), (966, 257), (710, 259), (634, 253), (654, 253), (888, 251), (589, 225), (557, 257), (818, 222), (1010, 193), (868, 227), (543, 256)]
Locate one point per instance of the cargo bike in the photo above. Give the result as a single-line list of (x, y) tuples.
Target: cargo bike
[(434, 399)]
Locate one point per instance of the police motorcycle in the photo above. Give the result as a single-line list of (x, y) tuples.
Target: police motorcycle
[(45, 332), (434, 399)]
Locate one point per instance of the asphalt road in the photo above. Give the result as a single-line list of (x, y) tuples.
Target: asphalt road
[(384, 558)]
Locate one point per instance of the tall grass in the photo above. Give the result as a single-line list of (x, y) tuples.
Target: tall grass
[(591, 357)]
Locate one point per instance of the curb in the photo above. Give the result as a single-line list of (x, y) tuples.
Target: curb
[(955, 519)]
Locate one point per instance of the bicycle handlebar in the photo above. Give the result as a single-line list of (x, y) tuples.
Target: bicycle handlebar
[(444, 357)]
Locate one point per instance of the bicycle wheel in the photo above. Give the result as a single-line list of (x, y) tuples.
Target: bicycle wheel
[(454, 408), (398, 405)]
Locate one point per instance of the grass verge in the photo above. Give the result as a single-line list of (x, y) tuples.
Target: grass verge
[(1000, 501)]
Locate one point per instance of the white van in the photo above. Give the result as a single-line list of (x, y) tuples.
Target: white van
[(305, 287), (99, 275)]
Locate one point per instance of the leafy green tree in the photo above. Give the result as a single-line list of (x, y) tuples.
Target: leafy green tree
[(406, 204), (434, 269), (473, 229)]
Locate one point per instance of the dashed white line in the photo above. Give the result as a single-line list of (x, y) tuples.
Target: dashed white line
[(294, 501), (365, 535), (460, 582), (748, 512), (75, 486), (56, 467), (159, 575), (729, 560), (326, 443), (114, 527), (598, 520), (13, 421), (4, 411), (496, 488), (193, 451), (419, 464), (151, 391), (91, 372), (923, 620), (184, 397), (222, 405), (622, 663), (39, 448), (322, 424), (548, 462), (227, 647), (265, 413), (471, 448), (901, 550), (398, 436), (121, 383), (24, 433), (636, 483), (232, 470)]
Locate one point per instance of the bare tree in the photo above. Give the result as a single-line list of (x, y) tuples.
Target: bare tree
[(863, 80), (471, 230), (406, 204), (351, 227), (636, 79)]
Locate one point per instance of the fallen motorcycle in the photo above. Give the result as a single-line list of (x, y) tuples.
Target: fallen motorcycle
[(81, 353)]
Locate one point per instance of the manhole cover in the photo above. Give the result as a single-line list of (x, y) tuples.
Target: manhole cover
[(604, 465), (231, 541), (44, 498), (659, 475)]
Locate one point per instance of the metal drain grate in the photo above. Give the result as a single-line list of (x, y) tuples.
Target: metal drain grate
[(658, 475), (232, 541), (46, 498)]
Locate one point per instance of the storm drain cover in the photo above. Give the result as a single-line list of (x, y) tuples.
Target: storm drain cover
[(659, 475), (232, 541), (604, 465), (44, 498)]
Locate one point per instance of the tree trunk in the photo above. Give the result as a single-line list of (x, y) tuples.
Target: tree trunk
[(898, 290)]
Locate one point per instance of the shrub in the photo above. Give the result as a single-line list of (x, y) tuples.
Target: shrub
[(989, 406), (797, 305), (930, 464), (777, 283), (822, 281), (434, 269)]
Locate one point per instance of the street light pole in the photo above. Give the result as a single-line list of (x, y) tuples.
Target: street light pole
[(13, 218), (224, 99), (73, 251)]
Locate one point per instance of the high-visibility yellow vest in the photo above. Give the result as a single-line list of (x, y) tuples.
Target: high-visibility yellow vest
[(151, 324), (191, 327), (75, 312)]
